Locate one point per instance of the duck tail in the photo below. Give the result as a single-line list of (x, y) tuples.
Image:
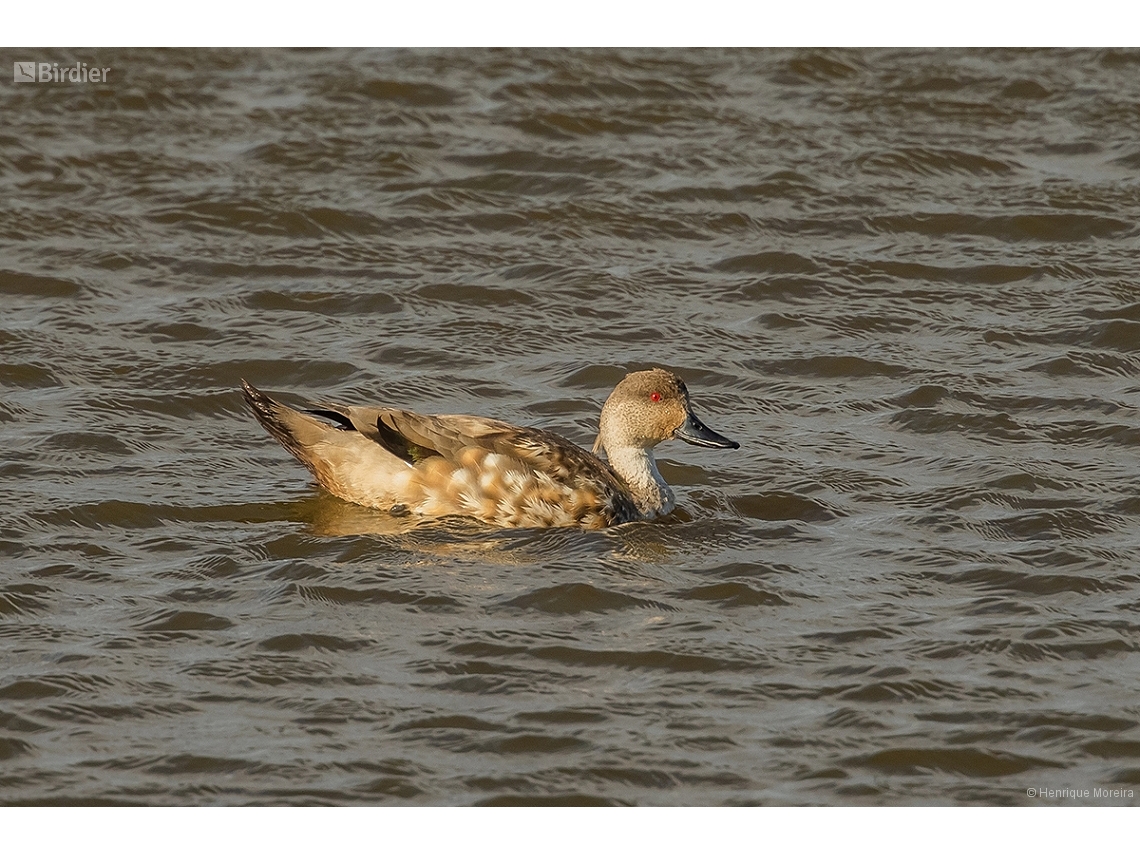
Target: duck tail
[(297, 432)]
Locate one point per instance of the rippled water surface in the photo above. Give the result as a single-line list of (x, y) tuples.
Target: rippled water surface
[(908, 282)]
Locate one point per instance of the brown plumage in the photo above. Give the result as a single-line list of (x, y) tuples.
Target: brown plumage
[(440, 465)]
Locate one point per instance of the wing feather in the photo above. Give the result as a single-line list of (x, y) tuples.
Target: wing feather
[(415, 437), (539, 450)]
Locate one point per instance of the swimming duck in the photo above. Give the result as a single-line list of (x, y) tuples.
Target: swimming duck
[(504, 475)]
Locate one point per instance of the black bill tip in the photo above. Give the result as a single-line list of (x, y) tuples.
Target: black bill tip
[(693, 431)]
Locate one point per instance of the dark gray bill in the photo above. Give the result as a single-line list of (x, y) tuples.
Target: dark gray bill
[(693, 430)]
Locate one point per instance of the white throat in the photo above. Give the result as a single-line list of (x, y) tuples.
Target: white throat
[(638, 468)]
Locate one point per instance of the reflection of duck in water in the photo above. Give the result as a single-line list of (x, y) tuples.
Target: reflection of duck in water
[(437, 466)]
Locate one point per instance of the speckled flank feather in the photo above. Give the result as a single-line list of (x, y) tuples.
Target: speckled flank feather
[(505, 475)]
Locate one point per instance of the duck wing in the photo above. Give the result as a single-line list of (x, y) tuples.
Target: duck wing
[(412, 437), (415, 437)]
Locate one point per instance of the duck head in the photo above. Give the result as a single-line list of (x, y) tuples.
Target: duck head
[(648, 407)]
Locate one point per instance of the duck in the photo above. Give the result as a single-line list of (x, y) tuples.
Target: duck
[(504, 475)]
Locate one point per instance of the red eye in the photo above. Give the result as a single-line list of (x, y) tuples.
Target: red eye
[(655, 396)]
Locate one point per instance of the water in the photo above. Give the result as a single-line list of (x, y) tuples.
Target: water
[(905, 281)]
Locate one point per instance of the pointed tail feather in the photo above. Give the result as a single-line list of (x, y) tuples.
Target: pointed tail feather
[(340, 457), (297, 432)]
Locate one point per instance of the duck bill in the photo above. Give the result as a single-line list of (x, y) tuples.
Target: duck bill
[(692, 430)]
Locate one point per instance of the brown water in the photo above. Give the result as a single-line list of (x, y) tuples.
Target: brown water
[(908, 282)]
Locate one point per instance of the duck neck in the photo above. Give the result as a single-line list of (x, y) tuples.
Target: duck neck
[(638, 468)]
